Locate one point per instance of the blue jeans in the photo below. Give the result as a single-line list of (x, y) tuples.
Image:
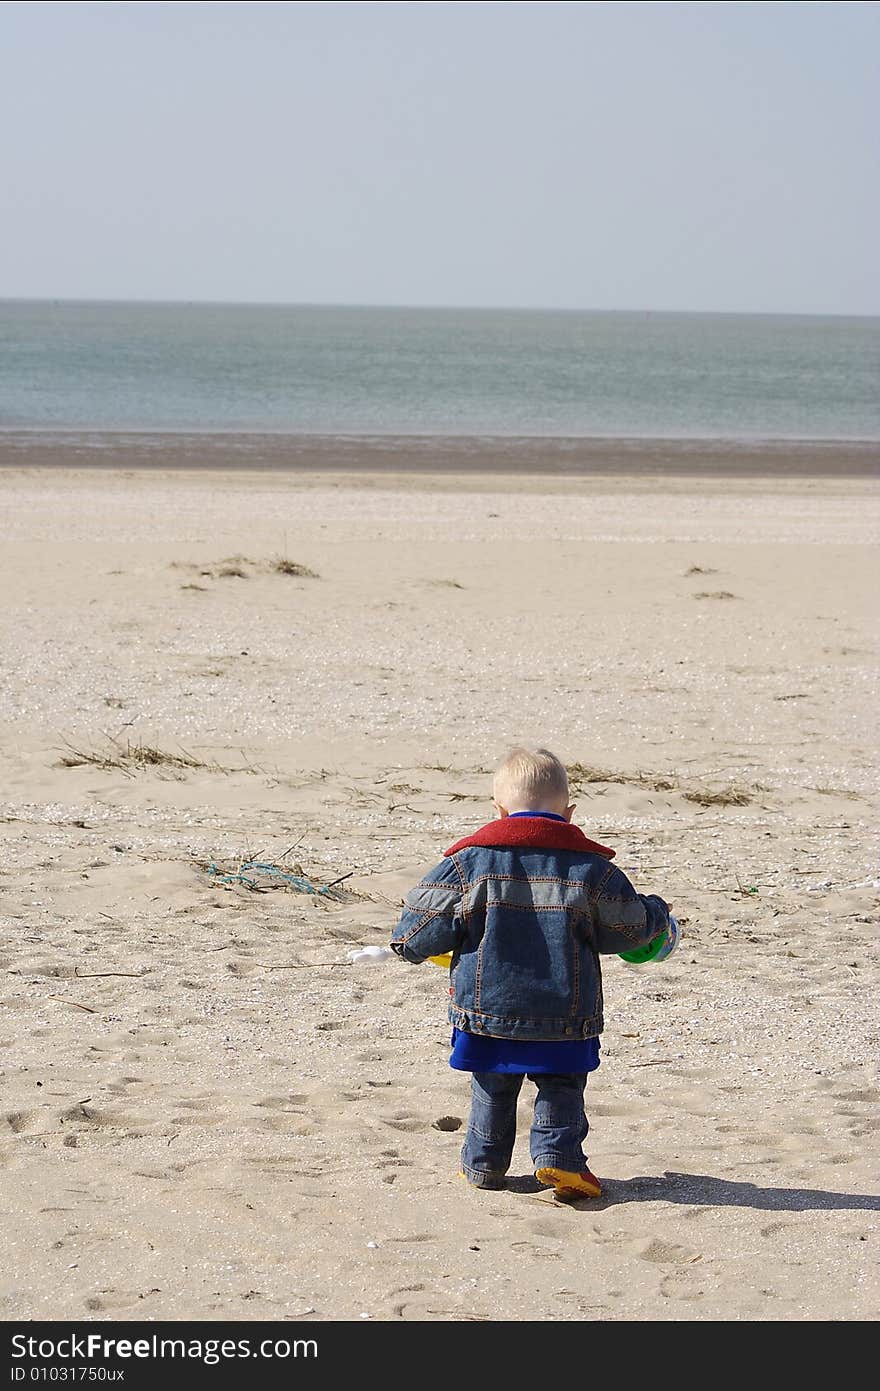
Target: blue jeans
[(558, 1130)]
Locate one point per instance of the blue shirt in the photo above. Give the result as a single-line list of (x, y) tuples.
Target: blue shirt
[(479, 1053)]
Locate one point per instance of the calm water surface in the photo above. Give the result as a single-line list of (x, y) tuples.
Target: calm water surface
[(316, 370)]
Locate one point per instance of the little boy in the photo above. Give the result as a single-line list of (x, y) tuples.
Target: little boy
[(525, 906)]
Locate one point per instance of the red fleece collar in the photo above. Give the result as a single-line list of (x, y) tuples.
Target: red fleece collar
[(532, 833)]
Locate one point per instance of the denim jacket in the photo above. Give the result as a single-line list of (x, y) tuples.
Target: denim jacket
[(526, 905)]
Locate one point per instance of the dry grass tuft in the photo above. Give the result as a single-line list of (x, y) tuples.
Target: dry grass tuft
[(283, 566), (242, 567), (726, 797), (582, 773), (846, 792), (715, 594), (127, 755), (130, 756), (700, 570)]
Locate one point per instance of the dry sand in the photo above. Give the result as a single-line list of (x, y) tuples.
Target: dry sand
[(204, 1114)]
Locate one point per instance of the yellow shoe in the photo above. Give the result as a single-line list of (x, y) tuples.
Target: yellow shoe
[(568, 1185)]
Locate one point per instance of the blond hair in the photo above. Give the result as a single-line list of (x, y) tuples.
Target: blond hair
[(530, 780)]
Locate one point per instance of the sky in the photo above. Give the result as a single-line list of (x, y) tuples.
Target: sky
[(700, 157)]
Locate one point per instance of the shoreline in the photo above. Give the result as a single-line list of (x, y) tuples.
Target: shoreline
[(439, 454)]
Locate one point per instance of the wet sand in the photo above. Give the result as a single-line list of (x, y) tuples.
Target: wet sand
[(469, 455)]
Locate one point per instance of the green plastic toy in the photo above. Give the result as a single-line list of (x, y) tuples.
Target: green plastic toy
[(658, 949)]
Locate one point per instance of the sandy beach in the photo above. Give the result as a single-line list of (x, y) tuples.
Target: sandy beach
[(206, 1111)]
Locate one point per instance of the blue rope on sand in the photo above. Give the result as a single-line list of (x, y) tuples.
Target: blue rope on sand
[(296, 881)]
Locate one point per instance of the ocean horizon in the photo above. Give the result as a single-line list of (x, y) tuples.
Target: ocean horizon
[(145, 367)]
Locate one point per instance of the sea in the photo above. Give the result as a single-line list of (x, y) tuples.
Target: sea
[(322, 370)]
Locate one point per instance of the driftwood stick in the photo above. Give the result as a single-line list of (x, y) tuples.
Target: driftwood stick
[(88, 975), (64, 1001), (293, 847), (339, 880), (302, 965)]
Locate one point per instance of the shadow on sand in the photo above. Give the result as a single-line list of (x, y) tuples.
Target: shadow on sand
[(695, 1190)]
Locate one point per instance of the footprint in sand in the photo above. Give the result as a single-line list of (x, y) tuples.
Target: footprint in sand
[(296, 1123), (404, 1120), (20, 1121), (87, 1116), (396, 1163), (115, 1299), (194, 1115), (155, 1038), (121, 1084), (772, 1228), (748, 1137), (553, 1231), (418, 1238), (863, 1129), (405, 1289), (416, 1310), (859, 1094), (528, 1248), (665, 1252), (681, 1284), (610, 1108)]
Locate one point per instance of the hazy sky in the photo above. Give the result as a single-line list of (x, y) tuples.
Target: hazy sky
[(661, 156)]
